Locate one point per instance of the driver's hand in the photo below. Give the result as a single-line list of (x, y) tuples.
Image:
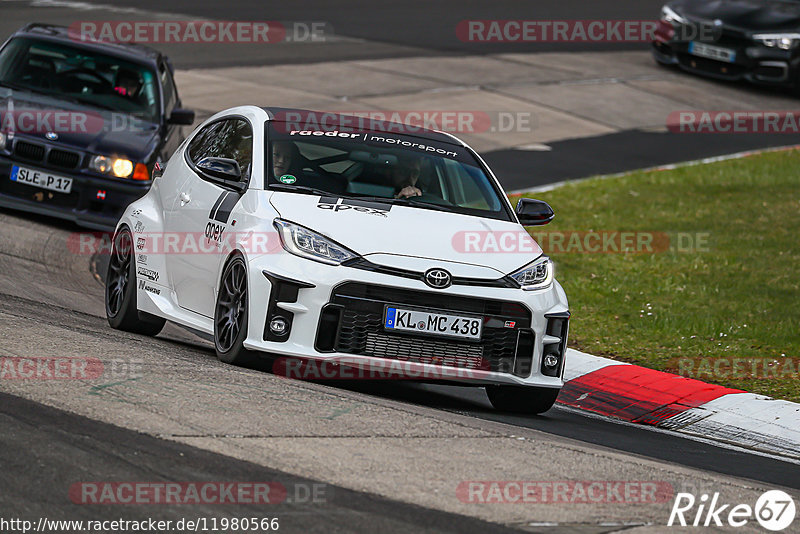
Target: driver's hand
[(408, 191)]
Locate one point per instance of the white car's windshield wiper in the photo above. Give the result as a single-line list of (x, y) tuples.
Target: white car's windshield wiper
[(411, 201), (405, 201), (302, 189)]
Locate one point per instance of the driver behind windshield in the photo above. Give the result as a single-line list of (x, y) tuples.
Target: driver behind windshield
[(128, 83), (285, 157), (404, 176)]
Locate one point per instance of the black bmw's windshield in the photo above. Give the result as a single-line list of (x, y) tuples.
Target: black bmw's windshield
[(80, 75), (385, 167)]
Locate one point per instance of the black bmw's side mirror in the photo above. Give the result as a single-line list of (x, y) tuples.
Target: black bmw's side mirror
[(181, 116), (534, 212)]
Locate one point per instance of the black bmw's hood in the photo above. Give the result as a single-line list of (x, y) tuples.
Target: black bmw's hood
[(753, 15), (83, 127)]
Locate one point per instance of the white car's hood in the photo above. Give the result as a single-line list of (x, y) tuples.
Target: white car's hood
[(408, 237)]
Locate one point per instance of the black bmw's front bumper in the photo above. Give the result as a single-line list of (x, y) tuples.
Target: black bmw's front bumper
[(756, 64), (95, 203)]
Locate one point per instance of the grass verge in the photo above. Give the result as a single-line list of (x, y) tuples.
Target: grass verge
[(715, 296)]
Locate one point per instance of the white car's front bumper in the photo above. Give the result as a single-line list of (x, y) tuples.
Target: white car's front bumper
[(352, 336)]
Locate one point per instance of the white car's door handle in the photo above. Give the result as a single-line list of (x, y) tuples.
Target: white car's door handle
[(185, 199)]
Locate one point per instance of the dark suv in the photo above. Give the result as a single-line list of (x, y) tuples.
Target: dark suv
[(83, 124)]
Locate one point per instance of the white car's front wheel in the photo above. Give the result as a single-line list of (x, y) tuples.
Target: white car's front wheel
[(522, 399), (230, 315), (120, 294)]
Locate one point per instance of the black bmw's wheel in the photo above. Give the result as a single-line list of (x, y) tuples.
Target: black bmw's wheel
[(521, 399), (121, 310), (230, 315)]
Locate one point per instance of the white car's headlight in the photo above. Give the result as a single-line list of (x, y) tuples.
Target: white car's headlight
[(669, 15), (119, 167), (2, 140), (536, 275), (784, 41), (306, 243)]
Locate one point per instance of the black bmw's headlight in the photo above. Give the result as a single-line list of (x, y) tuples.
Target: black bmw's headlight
[(670, 15), (784, 41)]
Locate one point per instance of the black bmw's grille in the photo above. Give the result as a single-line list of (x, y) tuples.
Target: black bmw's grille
[(29, 151), (63, 158), (360, 329)]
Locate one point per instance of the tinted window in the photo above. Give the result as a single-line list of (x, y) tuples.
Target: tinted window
[(232, 138), (82, 75)]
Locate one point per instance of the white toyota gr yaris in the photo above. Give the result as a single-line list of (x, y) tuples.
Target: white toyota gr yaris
[(358, 247)]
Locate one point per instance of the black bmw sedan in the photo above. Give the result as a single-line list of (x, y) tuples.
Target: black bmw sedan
[(754, 40), (83, 124)]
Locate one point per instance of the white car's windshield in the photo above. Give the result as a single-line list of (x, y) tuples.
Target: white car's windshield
[(398, 168)]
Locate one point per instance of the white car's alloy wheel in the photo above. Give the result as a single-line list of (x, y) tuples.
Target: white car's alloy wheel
[(230, 314), (120, 297)]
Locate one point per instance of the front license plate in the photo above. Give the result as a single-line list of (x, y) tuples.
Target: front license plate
[(41, 179), (434, 323), (712, 52)]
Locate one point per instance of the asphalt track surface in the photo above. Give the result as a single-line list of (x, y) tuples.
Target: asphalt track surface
[(398, 29), (616, 153), (76, 448)]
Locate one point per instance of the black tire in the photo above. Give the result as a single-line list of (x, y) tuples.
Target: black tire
[(231, 316), (120, 294), (521, 399)]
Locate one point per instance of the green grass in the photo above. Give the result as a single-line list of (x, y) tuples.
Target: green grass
[(737, 297)]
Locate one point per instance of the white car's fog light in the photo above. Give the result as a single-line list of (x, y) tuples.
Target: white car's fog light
[(278, 326), (550, 360)]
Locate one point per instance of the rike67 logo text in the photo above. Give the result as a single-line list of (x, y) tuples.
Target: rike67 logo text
[(774, 511)]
